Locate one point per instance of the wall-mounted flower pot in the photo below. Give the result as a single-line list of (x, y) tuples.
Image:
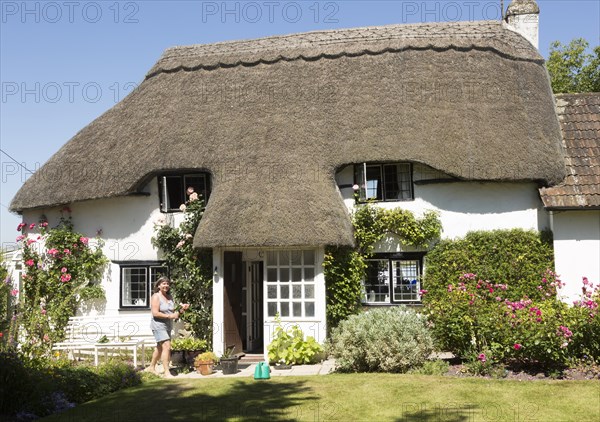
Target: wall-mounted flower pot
[(229, 365)]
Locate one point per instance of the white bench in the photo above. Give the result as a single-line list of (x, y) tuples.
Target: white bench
[(92, 334)]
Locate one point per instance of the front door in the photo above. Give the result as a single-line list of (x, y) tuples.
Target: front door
[(255, 306), (233, 279)]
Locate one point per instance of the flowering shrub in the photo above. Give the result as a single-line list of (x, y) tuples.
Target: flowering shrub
[(513, 257), (190, 269), (475, 316), (61, 269), (392, 339), (6, 297)]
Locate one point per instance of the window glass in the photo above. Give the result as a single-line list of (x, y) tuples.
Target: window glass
[(292, 275), (137, 284), (384, 182), (174, 192), (173, 189), (406, 281), (392, 281)]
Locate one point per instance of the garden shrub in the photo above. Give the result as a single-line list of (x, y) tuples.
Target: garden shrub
[(40, 387), (514, 257), (392, 339), (478, 322), (432, 367)]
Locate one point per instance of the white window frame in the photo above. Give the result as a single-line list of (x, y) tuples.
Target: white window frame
[(148, 284), (277, 284), (392, 297)]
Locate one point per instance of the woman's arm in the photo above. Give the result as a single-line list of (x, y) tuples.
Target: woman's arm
[(155, 307)]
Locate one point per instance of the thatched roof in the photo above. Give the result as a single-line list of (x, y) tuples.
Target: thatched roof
[(272, 119), (579, 116)]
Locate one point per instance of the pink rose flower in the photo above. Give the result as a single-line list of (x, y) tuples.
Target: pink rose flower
[(84, 240), (517, 346), (52, 251), (14, 292), (32, 226), (65, 277), (482, 357), (190, 190), (20, 237), (355, 187), (67, 252), (20, 226), (63, 270), (29, 263), (43, 312), (194, 196)]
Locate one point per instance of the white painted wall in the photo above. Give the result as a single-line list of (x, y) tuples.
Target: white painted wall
[(576, 249), (468, 206), (127, 225)]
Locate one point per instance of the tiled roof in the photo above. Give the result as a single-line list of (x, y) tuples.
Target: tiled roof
[(579, 116)]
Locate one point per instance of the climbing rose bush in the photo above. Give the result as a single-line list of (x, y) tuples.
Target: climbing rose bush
[(61, 270)]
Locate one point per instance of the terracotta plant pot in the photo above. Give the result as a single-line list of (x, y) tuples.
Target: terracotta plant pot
[(205, 367)]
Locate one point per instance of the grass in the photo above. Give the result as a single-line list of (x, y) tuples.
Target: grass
[(347, 397)]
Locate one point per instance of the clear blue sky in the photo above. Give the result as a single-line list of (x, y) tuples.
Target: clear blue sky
[(63, 63)]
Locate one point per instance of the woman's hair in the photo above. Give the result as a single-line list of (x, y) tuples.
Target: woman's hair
[(160, 280)]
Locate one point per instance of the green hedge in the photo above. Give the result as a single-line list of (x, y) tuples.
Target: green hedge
[(514, 257), (40, 387)]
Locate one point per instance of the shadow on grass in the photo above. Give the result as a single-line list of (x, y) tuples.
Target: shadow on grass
[(200, 401), (447, 413)]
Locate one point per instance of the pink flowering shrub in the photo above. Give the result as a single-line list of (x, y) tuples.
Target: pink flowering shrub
[(60, 270), (475, 316)]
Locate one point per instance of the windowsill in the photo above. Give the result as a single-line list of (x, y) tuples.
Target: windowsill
[(415, 303), (375, 201), (134, 308)]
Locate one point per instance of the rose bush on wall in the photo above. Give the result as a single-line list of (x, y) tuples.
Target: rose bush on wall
[(61, 269), (190, 269)]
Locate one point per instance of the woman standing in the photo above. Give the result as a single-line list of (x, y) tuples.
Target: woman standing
[(161, 323)]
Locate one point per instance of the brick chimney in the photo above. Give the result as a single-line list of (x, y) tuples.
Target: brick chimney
[(523, 17)]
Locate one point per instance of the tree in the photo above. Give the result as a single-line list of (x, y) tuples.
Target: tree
[(572, 69)]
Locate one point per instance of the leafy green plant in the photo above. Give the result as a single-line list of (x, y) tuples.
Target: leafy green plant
[(513, 257), (394, 339), (205, 357), (432, 367), (189, 344), (291, 348), (344, 267), (61, 270), (190, 268), (40, 386)]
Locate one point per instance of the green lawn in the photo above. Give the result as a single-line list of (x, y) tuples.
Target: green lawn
[(353, 397)]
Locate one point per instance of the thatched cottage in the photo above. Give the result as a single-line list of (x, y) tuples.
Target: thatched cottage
[(454, 117)]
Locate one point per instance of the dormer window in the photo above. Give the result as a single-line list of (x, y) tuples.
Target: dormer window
[(384, 181), (173, 189)]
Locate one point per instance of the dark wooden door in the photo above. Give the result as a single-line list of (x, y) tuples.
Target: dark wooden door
[(256, 306), (232, 301)]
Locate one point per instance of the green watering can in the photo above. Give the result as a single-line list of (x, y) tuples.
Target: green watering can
[(262, 371)]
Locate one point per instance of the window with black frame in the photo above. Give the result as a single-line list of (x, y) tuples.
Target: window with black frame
[(384, 181), (392, 279), (137, 281), (173, 189)]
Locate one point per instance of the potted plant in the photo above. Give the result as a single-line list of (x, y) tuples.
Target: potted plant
[(185, 349), (229, 362), (204, 363)]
